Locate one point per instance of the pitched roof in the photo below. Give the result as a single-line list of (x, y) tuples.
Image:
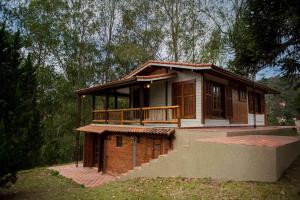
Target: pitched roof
[(132, 77), (167, 64), (93, 128)]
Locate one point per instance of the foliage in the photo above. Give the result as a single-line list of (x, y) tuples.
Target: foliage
[(20, 134), (267, 34), (281, 107), (297, 102)]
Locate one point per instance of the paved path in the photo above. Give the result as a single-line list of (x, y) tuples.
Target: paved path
[(89, 177)]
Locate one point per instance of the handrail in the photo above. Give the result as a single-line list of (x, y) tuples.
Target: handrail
[(155, 114), (116, 110), (159, 107)]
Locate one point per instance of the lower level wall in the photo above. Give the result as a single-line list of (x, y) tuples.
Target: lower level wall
[(121, 159)]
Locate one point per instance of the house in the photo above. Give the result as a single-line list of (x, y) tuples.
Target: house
[(142, 110)]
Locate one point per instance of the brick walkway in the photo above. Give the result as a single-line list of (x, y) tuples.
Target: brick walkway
[(89, 177), (254, 140)]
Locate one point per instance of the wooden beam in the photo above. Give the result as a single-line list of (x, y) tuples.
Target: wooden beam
[(106, 106), (166, 98), (78, 125), (130, 97), (203, 100), (141, 103), (93, 106)]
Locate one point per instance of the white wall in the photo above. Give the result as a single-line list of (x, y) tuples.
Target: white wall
[(157, 95), (260, 119)]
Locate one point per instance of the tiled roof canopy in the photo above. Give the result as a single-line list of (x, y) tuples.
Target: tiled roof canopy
[(92, 128)]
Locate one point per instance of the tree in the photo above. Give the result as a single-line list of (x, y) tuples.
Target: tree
[(20, 135), (281, 107), (268, 35)]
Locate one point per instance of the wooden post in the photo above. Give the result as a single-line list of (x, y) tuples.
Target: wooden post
[(94, 106), (99, 138), (178, 117), (122, 117), (166, 99), (141, 103), (78, 125), (106, 106), (130, 97)]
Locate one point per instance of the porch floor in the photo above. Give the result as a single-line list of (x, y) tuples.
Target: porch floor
[(89, 177)]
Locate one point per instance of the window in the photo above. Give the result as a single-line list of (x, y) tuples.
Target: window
[(254, 103), (119, 141), (216, 98), (242, 95), (138, 139)]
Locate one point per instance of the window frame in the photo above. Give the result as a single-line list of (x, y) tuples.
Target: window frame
[(242, 95), (216, 92), (119, 141)]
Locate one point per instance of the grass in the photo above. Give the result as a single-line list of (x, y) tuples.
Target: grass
[(41, 183)]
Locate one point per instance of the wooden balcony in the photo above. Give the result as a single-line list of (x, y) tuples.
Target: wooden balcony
[(145, 115)]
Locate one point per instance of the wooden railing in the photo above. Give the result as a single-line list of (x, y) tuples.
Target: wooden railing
[(159, 114)]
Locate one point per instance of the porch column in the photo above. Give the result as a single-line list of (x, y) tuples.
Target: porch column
[(93, 106), (78, 125), (130, 97), (141, 103), (106, 106)]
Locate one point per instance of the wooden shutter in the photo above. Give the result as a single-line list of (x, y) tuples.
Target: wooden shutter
[(189, 99), (208, 99), (183, 94), (228, 99)]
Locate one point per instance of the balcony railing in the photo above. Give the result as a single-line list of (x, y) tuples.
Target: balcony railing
[(159, 114)]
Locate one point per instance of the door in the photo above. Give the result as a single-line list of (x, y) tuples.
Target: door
[(96, 150), (184, 95)]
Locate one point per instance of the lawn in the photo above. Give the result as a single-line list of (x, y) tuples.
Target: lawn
[(41, 183)]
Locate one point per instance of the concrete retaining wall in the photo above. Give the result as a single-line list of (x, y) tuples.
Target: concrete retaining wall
[(201, 159)]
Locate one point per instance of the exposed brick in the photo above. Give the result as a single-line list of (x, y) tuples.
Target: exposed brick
[(119, 159)]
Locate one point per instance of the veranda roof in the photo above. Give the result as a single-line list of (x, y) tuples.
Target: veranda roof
[(100, 129)]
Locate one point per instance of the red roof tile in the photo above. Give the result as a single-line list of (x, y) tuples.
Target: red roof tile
[(125, 129)]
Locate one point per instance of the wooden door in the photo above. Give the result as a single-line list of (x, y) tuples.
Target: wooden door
[(96, 150), (184, 95), (88, 157)]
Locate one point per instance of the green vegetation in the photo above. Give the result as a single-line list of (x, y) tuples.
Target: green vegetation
[(20, 127), (281, 107), (41, 183)]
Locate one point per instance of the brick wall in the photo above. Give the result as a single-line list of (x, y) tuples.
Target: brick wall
[(119, 159)]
